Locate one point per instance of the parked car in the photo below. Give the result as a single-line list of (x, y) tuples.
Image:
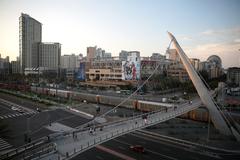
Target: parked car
[(137, 148)]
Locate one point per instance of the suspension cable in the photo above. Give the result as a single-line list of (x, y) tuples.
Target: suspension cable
[(209, 88), (126, 99)]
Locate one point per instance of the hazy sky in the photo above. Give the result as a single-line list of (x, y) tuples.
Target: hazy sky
[(202, 27)]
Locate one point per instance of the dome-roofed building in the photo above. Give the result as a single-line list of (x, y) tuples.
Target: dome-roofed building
[(214, 66), (216, 60)]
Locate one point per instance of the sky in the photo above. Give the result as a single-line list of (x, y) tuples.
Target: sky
[(202, 27)]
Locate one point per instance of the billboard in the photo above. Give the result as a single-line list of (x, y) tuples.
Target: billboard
[(81, 72), (131, 68)]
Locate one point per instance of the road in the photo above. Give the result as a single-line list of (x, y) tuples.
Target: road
[(114, 149), (155, 149), (34, 122)]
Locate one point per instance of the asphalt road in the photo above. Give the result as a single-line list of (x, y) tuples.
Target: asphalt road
[(155, 149), (34, 123), (19, 125), (5, 110), (23, 102)]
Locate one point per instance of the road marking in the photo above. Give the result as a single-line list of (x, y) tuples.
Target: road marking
[(113, 152), (163, 155), (4, 145)]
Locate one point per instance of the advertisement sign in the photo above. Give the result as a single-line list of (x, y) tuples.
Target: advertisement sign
[(131, 68)]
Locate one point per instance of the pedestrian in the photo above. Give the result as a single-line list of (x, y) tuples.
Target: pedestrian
[(145, 121)]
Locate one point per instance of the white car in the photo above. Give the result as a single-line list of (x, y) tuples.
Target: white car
[(14, 108)]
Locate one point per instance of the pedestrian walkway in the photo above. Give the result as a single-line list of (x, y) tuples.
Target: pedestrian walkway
[(58, 127), (4, 145), (69, 145), (14, 115)]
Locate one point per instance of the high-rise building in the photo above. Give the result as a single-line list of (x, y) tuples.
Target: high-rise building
[(15, 66), (30, 34), (233, 75), (4, 65), (123, 55), (70, 61), (49, 55), (91, 53), (195, 63)]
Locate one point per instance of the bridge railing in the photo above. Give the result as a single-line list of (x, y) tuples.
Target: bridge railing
[(23, 148), (153, 118)]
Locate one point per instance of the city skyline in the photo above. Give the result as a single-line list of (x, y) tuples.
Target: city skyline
[(203, 29)]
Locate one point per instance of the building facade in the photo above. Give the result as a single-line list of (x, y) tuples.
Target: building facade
[(49, 55), (15, 66), (233, 75), (173, 55), (105, 70), (148, 66), (4, 65), (91, 53), (30, 34), (195, 63)]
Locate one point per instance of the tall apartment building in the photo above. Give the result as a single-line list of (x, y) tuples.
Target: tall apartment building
[(30, 34), (91, 53), (4, 65), (123, 55), (49, 55), (195, 63), (15, 66), (233, 75)]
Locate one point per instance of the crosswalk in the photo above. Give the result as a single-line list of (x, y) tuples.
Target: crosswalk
[(4, 145), (17, 114)]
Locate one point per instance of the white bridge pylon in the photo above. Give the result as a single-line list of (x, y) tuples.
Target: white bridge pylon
[(203, 92)]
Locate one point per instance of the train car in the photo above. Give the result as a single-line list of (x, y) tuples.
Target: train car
[(151, 106), (63, 93)]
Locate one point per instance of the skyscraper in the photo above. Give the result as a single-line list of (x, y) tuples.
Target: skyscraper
[(49, 55), (91, 53), (30, 34)]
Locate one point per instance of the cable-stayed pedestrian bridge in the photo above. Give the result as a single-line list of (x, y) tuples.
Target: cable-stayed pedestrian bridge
[(76, 142), (68, 144)]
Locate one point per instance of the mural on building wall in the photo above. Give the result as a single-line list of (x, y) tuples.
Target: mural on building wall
[(131, 70), (81, 72)]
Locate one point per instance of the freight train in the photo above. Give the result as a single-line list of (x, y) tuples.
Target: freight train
[(14, 86), (200, 114)]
